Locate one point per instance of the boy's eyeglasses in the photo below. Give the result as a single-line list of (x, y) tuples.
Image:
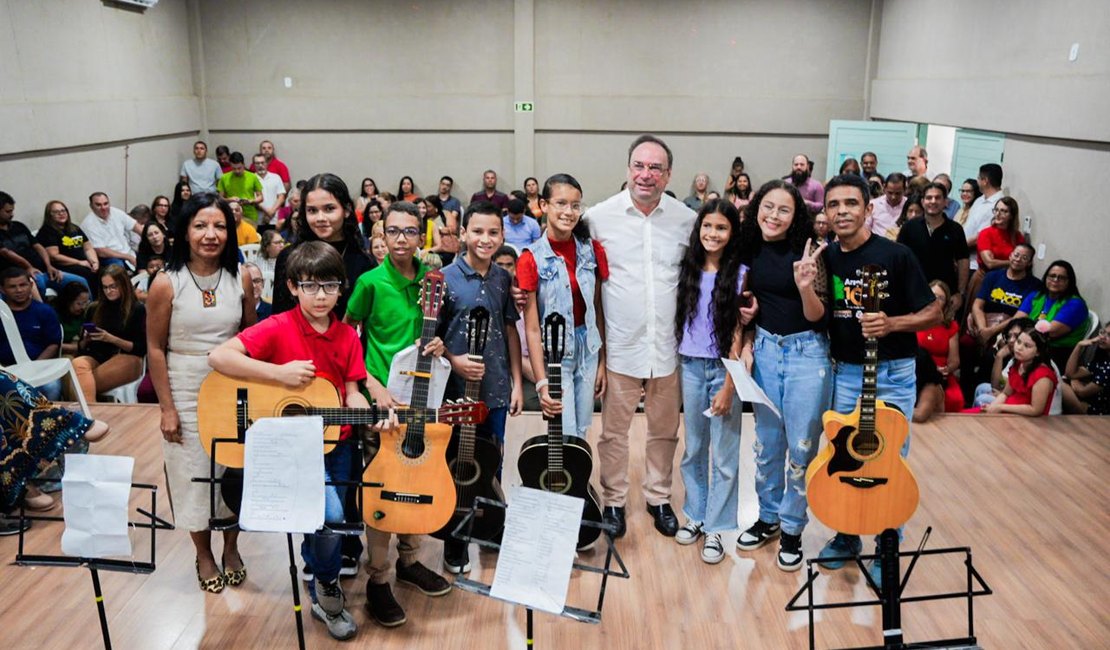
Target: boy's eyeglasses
[(312, 288), (393, 232)]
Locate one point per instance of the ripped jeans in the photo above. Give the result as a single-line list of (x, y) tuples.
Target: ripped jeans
[(796, 373)]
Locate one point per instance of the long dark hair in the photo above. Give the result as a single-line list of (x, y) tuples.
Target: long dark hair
[(724, 304), (177, 205), (48, 221), (126, 300), (1042, 358), (180, 254), (581, 230), (799, 232), (145, 249), (911, 200), (1073, 286), (335, 186)]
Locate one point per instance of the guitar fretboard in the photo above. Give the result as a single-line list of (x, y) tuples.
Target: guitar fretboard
[(421, 385), (555, 424)]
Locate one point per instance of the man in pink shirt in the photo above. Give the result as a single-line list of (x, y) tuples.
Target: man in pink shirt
[(887, 208)]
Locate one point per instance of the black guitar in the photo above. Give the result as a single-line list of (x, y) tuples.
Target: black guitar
[(474, 461), (555, 462)]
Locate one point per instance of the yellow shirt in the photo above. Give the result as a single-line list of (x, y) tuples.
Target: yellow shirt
[(246, 234)]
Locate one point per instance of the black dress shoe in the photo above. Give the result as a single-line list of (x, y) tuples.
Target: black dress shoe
[(614, 516), (665, 521)]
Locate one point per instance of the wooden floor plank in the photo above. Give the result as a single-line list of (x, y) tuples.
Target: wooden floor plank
[(1028, 496)]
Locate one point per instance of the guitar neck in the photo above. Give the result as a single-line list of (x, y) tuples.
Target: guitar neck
[(372, 415), (422, 377), (468, 432), (869, 392), (555, 424)]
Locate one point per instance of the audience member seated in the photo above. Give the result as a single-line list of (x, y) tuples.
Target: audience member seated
[(155, 241), (261, 307), (850, 166), (70, 306), (110, 230), (942, 343), (368, 192), (406, 190), (1086, 386), (244, 231), (1030, 381), (181, 194), (445, 239), (822, 230), (111, 351), (506, 257), (1059, 311), (698, 189), (19, 249), (532, 198), (160, 211), (142, 214), (930, 388), (953, 205), (520, 230), (142, 280), (378, 248), (269, 248), (67, 246), (37, 323), (33, 433), (489, 192), (887, 209), (287, 216), (996, 242), (740, 193)]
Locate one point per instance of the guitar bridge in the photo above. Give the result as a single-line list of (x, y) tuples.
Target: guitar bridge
[(406, 497), (863, 482)]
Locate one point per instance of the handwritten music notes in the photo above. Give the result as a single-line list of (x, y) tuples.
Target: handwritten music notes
[(746, 388), (95, 490), (537, 549), (283, 475)]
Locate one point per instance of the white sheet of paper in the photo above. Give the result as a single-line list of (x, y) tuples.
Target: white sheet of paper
[(746, 388), (95, 491), (400, 385), (537, 549), (283, 475)]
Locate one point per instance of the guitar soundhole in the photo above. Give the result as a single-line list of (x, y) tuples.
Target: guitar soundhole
[(465, 473), (866, 447), (293, 409), (412, 448), (558, 482)]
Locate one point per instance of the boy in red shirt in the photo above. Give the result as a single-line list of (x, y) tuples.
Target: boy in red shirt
[(295, 347)]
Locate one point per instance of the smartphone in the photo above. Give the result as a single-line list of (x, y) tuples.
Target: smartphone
[(89, 328)]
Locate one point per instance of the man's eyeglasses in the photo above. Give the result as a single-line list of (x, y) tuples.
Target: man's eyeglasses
[(655, 169), (393, 232), (312, 287)]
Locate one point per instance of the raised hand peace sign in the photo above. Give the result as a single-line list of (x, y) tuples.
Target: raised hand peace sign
[(805, 269)]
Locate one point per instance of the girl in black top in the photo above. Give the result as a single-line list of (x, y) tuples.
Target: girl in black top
[(154, 241), (114, 342), (67, 245)]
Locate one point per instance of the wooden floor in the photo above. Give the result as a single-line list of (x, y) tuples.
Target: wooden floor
[(1028, 496)]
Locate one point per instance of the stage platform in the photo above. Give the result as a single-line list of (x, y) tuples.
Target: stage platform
[(1028, 496)]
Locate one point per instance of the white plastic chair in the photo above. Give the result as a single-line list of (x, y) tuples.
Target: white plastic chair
[(249, 251), (37, 371), (1092, 323), (128, 393)]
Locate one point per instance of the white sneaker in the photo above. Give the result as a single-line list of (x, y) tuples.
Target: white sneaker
[(688, 534), (341, 626), (712, 551)]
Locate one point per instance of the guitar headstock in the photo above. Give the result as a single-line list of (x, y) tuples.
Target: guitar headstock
[(477, 331), (463, 412), (554, 342), (432, 289), (874, 283)]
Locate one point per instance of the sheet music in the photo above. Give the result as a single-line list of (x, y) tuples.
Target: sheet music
[(95, 491), (746, 388), (537, 549), (283, 475), (400, 385)]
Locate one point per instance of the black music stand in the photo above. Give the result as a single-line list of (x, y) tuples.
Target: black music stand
[(150, 521), (464, 530), (890, 594), (345, 528)]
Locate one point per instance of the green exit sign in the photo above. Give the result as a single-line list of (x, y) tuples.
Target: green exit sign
[(524, 107)]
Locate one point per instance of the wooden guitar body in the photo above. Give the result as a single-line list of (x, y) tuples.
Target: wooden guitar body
[(418, 496), (858, 484), (476, 477), (573, 479)]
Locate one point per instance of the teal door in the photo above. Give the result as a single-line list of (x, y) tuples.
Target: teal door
[(972, 149), (890, 141)]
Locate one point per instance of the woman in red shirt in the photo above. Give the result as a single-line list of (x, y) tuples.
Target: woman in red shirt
[(942, 344), (997, 242), (1031, 381)]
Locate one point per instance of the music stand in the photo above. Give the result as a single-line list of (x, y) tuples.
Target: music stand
[(573, 613), (150, 521), (344, 528), (890, 594)]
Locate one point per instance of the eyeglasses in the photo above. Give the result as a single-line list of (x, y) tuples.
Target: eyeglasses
[(1057, 277), (395, 233), (312, 288), (783, 211), (261, 281), (654, 169), (1001, 210), (110, 287), (562, 206), (59, 211)]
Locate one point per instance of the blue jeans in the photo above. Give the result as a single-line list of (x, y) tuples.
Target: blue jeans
[(711, 462), (43, 281), (493, 428), (579, 373), (321, 550), (795, 372)]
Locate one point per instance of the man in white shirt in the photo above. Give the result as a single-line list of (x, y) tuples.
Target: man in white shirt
[(982, 211), (201, 172), (645, 234), (887, 208), (273, 190), (109, 231)]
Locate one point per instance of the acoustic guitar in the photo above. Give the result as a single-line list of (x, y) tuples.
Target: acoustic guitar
[(417, 496), (556, 462), (859, 483), (227, 407), (474, 461)]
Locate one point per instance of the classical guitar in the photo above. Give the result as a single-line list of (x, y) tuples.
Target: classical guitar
[(859, 483), (417, 496), (227, 407), (474, 461), (556, 462)]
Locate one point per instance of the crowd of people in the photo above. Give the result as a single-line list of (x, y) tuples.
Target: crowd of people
[(658, 289)]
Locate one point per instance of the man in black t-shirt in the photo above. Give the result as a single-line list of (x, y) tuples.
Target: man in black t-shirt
[(939, 244), (910, 307)]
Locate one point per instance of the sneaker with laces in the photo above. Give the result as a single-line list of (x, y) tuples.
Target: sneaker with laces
[(759, 534), (840, 545), (689, 533), (341, 626), (456, 557), (306, 573), (330, 597), (790, 552), (427, 581), (382, 606), (712, 551)]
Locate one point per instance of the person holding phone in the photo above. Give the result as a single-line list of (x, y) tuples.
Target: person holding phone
[(113, 339)]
